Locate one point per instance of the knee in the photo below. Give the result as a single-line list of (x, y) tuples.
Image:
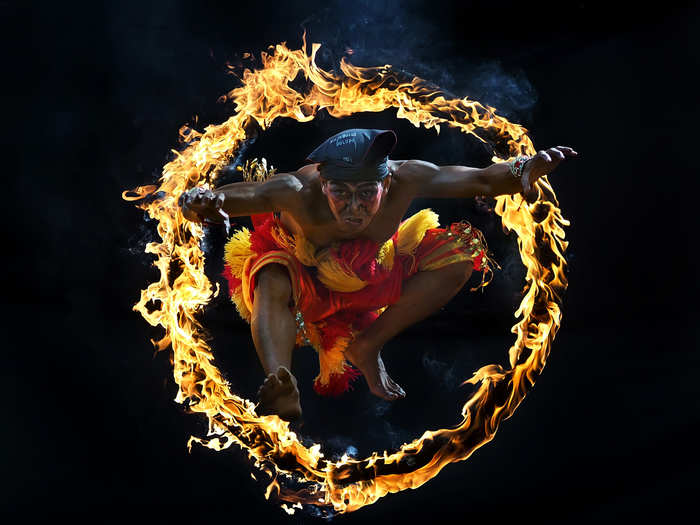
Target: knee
[(459, 272), (272, 281)]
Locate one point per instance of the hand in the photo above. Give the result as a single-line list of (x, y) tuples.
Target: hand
[(543, 164), (199, 204)]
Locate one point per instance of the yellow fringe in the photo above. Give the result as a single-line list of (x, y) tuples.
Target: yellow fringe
[(332, 360), (336, 276), (237, 250), (385, 257), (240, 305), (237, 253), (413, 229)]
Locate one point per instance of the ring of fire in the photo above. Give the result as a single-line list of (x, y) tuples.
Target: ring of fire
[(265, 95)]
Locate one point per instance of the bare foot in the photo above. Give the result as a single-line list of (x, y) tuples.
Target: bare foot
[(370, 363), (279, 395)]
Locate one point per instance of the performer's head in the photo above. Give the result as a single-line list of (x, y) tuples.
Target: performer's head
[(355, 204), (354, 174)]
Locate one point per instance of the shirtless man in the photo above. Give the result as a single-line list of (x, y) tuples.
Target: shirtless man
[(327, 201)]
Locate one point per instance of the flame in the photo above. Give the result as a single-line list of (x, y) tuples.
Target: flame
[(139, 193), (176, 299)]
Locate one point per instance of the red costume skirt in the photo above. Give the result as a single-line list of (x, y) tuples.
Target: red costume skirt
[(340, 290)]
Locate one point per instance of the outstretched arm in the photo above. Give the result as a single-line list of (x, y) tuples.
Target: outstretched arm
[(430, 180), (278, 193)]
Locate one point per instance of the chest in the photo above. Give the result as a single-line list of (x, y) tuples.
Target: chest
[(317, 223)]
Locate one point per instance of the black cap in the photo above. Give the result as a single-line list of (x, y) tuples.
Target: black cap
[(355, 154)]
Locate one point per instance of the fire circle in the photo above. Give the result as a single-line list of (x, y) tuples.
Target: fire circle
[(174, 302)]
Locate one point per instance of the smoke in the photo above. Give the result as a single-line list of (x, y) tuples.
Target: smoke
[(337, 446), (394, 435), (371, 33), (440, 372), (384, 431), (381, 408)]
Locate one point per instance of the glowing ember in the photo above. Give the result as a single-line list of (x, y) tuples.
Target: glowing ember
[(266, 95)]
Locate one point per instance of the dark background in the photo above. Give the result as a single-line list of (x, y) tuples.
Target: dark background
[(95, 94)]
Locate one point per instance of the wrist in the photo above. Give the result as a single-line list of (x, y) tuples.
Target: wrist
[(517, 165)]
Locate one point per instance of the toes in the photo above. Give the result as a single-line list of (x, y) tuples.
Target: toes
[(389, 395), (284, 375), (385, 392), (271, 382), (395, 387), (268, 387), (287, 381), (401, 391)]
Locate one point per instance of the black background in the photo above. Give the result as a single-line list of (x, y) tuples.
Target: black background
[(95, 94)]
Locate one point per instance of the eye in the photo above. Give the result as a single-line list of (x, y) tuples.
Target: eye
[(367, 194)]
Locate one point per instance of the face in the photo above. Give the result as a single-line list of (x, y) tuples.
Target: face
[(354, 204)]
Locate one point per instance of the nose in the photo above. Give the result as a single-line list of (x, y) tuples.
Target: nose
[(355, 204)]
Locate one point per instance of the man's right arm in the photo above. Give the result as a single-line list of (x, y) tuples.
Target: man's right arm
[(281, 192), (278, 193)]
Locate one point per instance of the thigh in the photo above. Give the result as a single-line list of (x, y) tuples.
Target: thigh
[(272, 282)]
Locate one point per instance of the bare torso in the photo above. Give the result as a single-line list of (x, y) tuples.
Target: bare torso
[(314, 220)]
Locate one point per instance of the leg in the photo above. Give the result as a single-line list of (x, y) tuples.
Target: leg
[(422, 294), (274, 333)]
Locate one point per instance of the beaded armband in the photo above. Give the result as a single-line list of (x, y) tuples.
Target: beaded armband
[(517, 165)]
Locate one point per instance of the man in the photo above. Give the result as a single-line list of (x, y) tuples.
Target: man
[(331, 263)]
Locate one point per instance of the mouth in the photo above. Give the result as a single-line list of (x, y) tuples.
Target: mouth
[(352, 221)]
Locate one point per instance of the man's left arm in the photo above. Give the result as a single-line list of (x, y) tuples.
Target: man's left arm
[(435, 181)]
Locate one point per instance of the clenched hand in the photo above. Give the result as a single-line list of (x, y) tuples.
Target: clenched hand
[(199, 204)]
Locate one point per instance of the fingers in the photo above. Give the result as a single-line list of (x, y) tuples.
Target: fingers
[(188, 197), (210, 198), (555, 153), (219, 201), (566, 150), (199, 201)]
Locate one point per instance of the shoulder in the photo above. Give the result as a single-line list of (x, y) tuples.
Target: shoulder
[(298, 189), (413, 171), (285, 191), (301, 181), (306, 180), (307, 172)]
